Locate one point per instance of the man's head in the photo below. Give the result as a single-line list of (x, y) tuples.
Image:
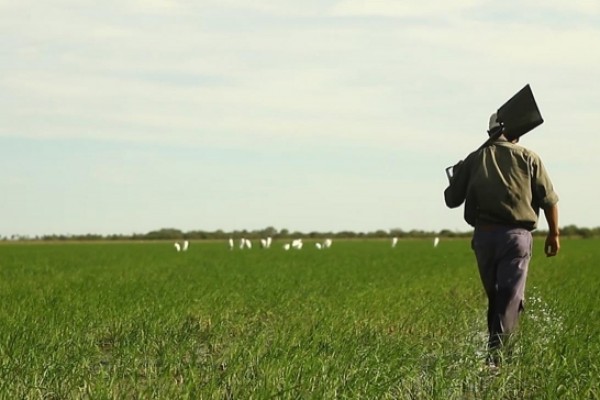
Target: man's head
[(494, 125)]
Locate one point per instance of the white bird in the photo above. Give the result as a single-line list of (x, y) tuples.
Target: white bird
[(318, 246), (297, 244), (327, 243), (269, 241), (286, 246), (436, 241), (263, 243), (186, 244), (248, 243), (242, 243), (394, 241), (177, 246), (230, 243)]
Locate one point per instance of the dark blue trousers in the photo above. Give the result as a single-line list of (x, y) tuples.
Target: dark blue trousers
[(503, 255)]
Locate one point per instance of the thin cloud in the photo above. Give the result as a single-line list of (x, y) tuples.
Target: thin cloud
[(393, 8), (324, 82)]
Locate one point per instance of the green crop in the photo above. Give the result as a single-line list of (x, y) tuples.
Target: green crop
[(357, 321)]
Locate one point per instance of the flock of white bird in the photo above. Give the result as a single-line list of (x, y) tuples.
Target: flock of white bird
[(296, 244), (182, 247), (265, 243)]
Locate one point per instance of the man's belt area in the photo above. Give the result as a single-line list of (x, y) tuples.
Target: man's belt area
[(490, 227)]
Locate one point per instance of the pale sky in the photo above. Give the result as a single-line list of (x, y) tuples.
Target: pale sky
[(125, 116)]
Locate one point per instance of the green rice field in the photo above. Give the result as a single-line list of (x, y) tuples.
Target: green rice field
[(360, 320)]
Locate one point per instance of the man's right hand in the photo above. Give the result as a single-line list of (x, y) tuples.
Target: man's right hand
[(552, 245)]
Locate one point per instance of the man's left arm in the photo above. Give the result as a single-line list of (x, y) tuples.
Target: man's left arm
[(456, 192)]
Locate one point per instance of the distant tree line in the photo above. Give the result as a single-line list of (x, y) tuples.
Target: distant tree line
[(177, 234)]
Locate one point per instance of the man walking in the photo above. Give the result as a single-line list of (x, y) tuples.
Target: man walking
[(503, 186)]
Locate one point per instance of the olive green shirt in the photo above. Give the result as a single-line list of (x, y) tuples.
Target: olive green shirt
[(503, 183)]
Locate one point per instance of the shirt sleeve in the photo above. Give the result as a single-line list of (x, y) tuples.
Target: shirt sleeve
[(544, 195), (456, 192)]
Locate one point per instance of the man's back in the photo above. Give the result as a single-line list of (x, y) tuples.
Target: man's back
[(503, 183)]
